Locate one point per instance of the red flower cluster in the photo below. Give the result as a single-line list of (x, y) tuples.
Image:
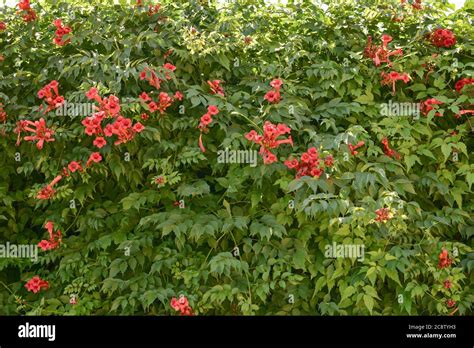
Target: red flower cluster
[(54, 100), (92, 93), (329, 161), (383, 215), (216, 88), (427, 106), (72, 167), (309, 164), (122, 127), (392, 77), (151, 77), (416, 4), (60, 32), (160, 180), (54, 238), (40, 132), (3, 114), (450, 303), (447, 284), (153, 9), (164, 101), (353, 148), (20, 127), (442, 38), (274, 96), (206, 119), (463, 82), (178, 95), (268, 141), (48, 192), (443, 259), (94, 157), (109, 107), (93, 124), (170, 67), (381, 54), (27, 13), (388, 151), (35, 284), (99, 142), (3, 26), (181, 305)]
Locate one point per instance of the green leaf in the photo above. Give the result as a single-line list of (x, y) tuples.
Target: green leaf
[(299, 258), (348, 292), (365, 99), (371, 274), (227, 207), (410, 160), (369, 302), (446, 150), (223, 60)]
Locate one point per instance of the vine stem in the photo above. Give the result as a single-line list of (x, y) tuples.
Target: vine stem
[(209, 253), (74, 221), (457, 308), (6, 287), (246, 273), (248, 119), (434, 298)]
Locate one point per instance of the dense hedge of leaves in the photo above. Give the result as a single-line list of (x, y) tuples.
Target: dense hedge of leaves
[(157, 217)]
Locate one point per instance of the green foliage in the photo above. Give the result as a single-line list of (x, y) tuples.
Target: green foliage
[(242, 240)]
